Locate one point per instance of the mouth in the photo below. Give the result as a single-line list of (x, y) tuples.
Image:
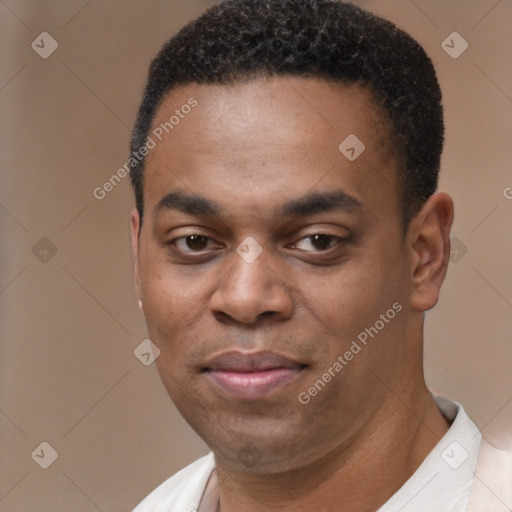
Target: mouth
[(251, 376)]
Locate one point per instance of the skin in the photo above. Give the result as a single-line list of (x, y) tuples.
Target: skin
[(249, 148)]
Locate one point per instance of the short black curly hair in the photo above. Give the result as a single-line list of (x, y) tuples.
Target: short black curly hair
[(238, 40)]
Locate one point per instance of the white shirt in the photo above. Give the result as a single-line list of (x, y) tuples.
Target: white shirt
[(462, 473)]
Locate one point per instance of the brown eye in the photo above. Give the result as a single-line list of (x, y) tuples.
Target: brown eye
[(191, 244), (317, 242), (321, 242), (196, 242), (193, 249)]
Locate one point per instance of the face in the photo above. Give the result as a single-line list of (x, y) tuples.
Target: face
[(272, 269)]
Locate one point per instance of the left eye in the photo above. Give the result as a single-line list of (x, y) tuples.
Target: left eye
[(318, 242), (192, 243)]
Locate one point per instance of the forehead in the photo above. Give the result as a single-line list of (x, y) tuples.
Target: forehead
[(276, 137)]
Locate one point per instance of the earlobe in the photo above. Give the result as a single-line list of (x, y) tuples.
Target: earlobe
[(430, 244)]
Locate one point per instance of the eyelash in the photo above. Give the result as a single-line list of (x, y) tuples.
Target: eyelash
[(337, 241)]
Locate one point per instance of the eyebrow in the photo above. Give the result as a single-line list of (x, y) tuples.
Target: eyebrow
[(189, 204), (309, 204), (319, 202)]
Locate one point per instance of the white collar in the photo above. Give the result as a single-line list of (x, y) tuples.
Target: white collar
[(444, 479), (442, 482)]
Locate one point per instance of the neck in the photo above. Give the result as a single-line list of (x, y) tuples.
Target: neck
[(359, 476)]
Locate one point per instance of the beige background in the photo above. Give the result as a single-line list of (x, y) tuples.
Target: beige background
[(69, 325)]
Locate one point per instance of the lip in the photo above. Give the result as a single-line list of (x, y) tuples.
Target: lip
[(251, 376)]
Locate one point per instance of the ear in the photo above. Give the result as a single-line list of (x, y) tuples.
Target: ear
[(430, 243), (135, 225)]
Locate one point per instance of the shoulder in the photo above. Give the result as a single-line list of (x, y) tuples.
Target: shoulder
[(492, 485), (182, 490)]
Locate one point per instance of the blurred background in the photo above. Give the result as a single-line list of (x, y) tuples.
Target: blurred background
[(71, 78)]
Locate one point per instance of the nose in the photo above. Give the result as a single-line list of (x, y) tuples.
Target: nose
[(250, 292)]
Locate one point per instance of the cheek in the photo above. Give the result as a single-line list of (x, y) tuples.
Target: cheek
[(351, 296), (175, 302), (169, 293), (358, 303)]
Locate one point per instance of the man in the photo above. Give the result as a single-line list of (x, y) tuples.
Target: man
[(288, 239)]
